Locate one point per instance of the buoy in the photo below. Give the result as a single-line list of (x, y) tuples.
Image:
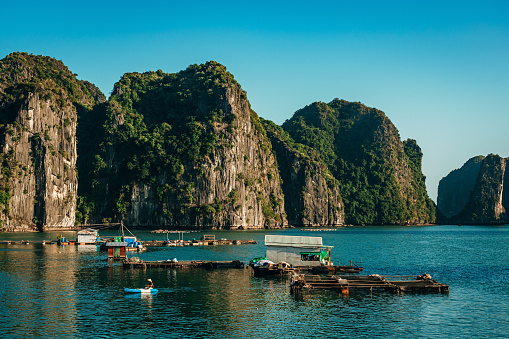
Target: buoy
[(345, 291)]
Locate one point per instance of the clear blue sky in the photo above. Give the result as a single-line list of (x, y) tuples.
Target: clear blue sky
[(438, 69)]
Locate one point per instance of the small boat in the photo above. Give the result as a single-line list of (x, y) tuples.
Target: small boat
[(140, 290)]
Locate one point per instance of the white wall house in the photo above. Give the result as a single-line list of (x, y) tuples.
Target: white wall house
[(88, 236), (297, 251)]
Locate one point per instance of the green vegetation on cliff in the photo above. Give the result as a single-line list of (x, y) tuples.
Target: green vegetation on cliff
[(381, 180), (425, 208), (311, 191), (22, 73), (158, 129), (186, 148)]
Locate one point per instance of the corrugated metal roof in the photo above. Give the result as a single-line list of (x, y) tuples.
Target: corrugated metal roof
[(116, 244), (88, 231), (293, 241)]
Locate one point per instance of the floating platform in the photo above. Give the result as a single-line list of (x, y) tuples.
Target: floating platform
[(27, 242), (396, 284), (137, 263), (352, 268), (159, 231), (222, 242), (152, 243), (278, 269)]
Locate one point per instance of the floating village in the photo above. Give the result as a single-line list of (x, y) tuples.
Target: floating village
[(304, 260)]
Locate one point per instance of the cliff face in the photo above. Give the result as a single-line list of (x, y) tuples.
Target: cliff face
[(185, 150), (39, 100), (311, 193), (455, 189), (380, 176), (482, 187)]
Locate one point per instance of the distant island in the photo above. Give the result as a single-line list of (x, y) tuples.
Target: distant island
[(185, 150), (474, 193)]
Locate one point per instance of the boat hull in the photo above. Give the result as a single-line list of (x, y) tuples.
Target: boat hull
[(140, 290)]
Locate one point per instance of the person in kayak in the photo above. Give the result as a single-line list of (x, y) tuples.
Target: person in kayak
[(150, 284)]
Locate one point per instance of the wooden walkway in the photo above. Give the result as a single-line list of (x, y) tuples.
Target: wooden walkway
[(136, 263)]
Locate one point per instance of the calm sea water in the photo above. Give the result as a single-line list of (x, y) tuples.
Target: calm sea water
[(74, 292)]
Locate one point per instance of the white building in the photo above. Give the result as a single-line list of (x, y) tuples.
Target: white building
[(87, 236), (297, 251)]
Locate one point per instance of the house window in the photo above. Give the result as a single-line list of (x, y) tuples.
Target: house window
[(309, 256)]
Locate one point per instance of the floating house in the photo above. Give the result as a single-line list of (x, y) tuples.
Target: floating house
[(88, 236), (298, 251), (116, 248)]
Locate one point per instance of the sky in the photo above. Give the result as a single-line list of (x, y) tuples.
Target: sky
[(438, 69)]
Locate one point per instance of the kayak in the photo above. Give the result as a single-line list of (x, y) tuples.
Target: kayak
[(140, 290)]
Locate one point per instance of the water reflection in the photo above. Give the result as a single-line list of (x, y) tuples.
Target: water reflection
[(39, 282), (88, 248)]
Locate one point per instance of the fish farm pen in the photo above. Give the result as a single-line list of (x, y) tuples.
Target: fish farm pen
[(396, 284)]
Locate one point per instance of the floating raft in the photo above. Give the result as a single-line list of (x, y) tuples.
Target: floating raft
[(170, 231), (161, 243), (331, 269), (28, 242), (277, 269), (396, 284), (136, 263)]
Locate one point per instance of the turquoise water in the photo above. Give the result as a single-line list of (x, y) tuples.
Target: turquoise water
[(73, 292)]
